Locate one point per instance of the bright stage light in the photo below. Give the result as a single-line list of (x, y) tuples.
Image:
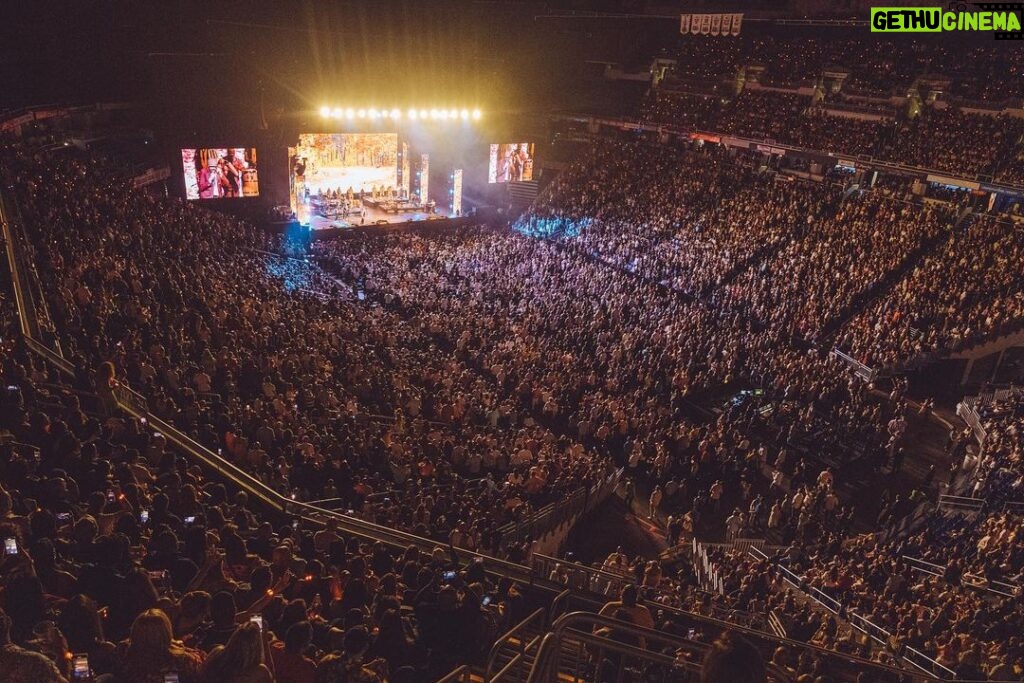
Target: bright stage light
[(396, 113)]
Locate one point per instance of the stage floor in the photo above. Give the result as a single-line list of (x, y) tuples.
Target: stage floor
[(374, 216)]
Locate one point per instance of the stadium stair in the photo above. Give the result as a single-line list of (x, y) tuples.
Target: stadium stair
[(879, 289)]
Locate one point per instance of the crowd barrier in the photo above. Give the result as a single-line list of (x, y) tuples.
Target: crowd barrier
[(964, 504), (881, 637), (969, 409), (562, 513), (863, 371), (132, 403)]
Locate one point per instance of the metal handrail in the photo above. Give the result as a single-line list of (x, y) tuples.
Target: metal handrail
[(308, 511), (775, 623), (551, 644), (556, 604), (546, 562), (979, 582), (927, 664), (960, 503), (136, 405), (492, 656), (923, 565), (857, 621)]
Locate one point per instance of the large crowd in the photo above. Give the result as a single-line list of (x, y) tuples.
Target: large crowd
[(834, 95), (844, 255), (948, 140), (965, 291), (449, 383), (873, 65), (130, 559), (271, 363)]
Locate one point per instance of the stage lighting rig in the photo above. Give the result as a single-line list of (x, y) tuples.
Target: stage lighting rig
[(396, 114)]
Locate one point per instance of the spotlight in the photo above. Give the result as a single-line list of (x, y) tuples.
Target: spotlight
[(350, 113), (412, 114), (423, 113), (336, 113), (325, 111), (396, 114), (465, 115), (476, 114), (373, 113), (362, 113), (433, 113), (444, 114), (454, 114)]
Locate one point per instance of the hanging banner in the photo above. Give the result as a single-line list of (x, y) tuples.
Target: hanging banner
[(152, 175), (736, 23), (710, 24)]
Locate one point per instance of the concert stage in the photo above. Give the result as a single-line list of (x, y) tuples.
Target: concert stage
[(372, 213), (328, 231)]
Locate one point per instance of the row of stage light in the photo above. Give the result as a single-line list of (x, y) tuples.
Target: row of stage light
[(412, 114)]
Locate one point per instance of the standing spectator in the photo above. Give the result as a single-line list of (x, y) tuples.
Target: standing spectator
[(150, 652), (18, 665), (240, 661), (629, 495), (655, 502)]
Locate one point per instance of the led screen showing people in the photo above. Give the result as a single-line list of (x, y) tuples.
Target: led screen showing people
[(219, 173), (510, 162)]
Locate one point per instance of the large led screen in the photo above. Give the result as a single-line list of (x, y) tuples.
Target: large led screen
[(219, 173), (343, 162), (511, 163)]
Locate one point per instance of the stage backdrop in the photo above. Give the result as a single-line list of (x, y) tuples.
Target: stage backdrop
[(510, 162), (220, 173), (348, 161)]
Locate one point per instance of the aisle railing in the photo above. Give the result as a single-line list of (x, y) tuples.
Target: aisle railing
[(880, 636), (566, 511), (136, 405)]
